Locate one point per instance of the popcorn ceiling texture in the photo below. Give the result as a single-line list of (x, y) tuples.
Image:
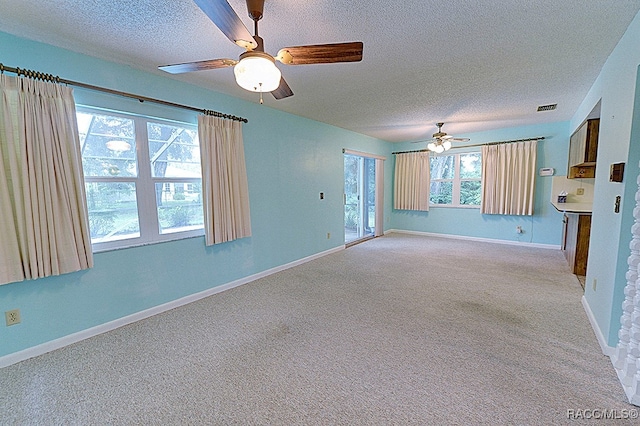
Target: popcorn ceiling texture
[(474, 65)]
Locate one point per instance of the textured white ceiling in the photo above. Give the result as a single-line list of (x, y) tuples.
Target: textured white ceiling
[(475, 65)]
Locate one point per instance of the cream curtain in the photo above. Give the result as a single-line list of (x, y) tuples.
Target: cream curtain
[(508, 178), (224, 180), (411, 183), (43, 217)]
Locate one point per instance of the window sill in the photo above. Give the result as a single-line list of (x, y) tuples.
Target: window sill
[(451, 206), (135, 242)]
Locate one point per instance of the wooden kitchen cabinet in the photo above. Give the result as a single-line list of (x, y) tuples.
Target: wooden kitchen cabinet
[(575, 244), (583, 150)]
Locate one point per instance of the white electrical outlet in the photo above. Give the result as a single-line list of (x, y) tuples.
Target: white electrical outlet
[(580, 191), (518, 229)]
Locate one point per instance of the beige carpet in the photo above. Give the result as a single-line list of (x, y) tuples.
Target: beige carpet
[(398, 330)]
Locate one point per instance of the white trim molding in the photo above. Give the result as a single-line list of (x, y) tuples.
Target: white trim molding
[(604, 347), (485, 240), (61, 342)]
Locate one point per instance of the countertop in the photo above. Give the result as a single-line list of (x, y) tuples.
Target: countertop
[(583, 208), (578, 204)]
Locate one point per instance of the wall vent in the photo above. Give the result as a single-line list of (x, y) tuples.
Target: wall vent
[(549, 107)]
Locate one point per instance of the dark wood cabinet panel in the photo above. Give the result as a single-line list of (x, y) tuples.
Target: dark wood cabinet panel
[(583, 150), (575, 245)]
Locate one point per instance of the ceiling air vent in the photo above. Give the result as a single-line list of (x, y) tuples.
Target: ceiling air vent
[(549, 107)]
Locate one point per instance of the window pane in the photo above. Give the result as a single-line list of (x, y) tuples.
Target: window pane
[(351, 172), (441, 192), (442, 167), (470, 166), (174, 151), (113, 211), (108, 145), (179, 206), (470, 193)]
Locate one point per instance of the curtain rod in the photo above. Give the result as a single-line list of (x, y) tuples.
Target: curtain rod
[(56, 79), (478, 144)]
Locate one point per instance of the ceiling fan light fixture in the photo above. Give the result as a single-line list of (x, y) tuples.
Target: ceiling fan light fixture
[(436, 147), (257, 72), (439, 146), (442, 141)]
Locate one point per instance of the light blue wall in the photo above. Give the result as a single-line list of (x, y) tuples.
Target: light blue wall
[(632, 174), (616, 88), (544, 227), (286, 172)]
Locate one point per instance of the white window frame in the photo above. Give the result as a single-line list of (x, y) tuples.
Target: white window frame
[(145, 185), (456, 180)]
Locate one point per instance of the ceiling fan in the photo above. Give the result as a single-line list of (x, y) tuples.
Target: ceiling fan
[(255, 70), (441, 141)]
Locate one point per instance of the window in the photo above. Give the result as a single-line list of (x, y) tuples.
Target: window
[(142, 178), (455, 180)]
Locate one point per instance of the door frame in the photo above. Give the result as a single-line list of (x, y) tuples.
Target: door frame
[(379, 192)]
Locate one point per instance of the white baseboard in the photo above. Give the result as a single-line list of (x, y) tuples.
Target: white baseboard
[(628, 390), (61, 342), (484, 240), (604, 347)]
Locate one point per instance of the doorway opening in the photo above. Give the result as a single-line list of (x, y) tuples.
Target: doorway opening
[(362, 197)]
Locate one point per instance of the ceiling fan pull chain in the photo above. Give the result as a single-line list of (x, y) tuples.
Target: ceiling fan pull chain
[(261, 101)]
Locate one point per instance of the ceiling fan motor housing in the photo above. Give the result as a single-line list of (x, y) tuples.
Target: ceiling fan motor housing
[(256, 9), (439, 134)]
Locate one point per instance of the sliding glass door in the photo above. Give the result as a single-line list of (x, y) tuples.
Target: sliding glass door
[(359, 197)]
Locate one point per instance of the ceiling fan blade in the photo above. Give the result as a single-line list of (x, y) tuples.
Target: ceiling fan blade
[(225, 18), (283, 91), (321, 53), (460, 139), (198, 66)]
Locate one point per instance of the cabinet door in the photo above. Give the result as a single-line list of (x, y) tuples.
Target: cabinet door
[(582, 245), (583, 150), (591, 145), (577, 146), (577, 228)]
